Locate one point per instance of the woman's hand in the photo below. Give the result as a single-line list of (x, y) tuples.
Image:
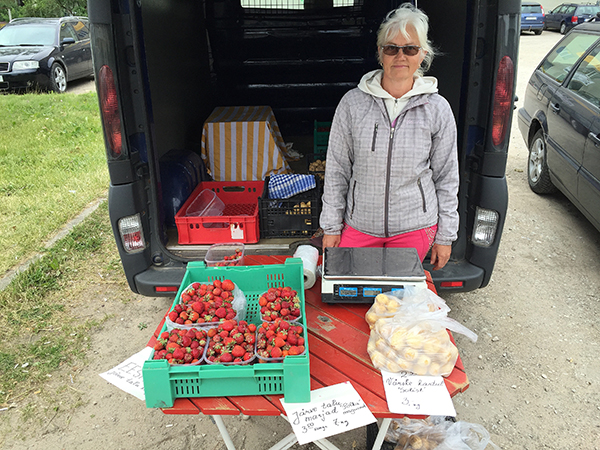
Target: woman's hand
[(331, 240), (440, 254)]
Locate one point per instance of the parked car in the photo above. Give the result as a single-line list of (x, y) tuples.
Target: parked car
[(38, 53), (560, 121), (532, 17), (566, 16)]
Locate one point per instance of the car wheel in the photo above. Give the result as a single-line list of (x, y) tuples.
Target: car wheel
[(563, 28), (58, 78), (537, 166), (538, 32)]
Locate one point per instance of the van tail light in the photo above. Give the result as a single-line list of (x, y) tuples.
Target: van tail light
[(503, 97), (109, 108), (166, 288), (132, 233), (452, 284), (543, 12), (485, 227), (574, 19)]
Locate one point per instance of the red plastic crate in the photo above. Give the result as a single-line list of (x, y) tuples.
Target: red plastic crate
[(238, 223)]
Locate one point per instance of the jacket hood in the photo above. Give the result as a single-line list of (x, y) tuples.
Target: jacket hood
[(370, 83)]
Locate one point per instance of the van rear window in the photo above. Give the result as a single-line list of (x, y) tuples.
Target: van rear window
[(531, 9)]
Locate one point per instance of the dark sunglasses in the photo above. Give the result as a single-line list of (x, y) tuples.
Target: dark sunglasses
[(392, 50)]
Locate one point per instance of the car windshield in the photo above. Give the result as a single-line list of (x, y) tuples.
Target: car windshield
[(531, 9), (28, 35)]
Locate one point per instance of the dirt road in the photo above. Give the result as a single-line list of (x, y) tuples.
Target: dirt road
[(534, 372)]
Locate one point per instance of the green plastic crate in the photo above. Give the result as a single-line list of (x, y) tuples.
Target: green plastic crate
[(321, 139), (163, 383)]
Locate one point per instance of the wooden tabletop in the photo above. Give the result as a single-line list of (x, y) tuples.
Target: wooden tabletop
[(337, 341)]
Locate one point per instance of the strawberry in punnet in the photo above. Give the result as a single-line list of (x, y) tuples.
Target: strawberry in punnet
[(231, 342), (205, 303), (278, 339), (231, 260), (181, 346), (281, 303)]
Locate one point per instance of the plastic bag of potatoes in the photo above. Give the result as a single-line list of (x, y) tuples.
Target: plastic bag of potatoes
[(408, 301), (411, 334), (437, 433)]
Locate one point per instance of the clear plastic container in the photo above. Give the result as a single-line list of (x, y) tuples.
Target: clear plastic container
[(206, 204), (262, 359), (225, 254)]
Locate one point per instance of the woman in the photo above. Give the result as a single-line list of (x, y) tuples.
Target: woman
[(392, 169)]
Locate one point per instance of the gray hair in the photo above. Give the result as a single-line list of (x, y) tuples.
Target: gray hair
[(396, 21)]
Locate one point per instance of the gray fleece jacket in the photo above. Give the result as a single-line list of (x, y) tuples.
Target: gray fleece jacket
[(392, 164)]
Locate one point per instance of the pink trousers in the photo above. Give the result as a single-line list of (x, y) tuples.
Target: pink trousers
[(421, 239)]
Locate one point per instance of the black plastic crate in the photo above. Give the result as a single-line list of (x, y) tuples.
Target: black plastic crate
[(288, 217)]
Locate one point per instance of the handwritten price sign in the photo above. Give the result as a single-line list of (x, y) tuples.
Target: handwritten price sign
[(413, 394), (331, 410)]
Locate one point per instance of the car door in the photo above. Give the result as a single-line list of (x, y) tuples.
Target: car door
[(84, 45), (70, 51), (568, 118), (585, 83), (552, 18)]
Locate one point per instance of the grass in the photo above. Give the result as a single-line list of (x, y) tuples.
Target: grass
[(39, 325), (52, 165)]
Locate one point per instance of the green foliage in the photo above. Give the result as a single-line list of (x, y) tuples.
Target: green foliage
[(42, 8)]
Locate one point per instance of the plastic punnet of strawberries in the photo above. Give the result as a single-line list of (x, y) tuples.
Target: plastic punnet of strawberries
[(180, 346), (205, 303), (231, 342), (231, 260), (280, 302), (278, 339)]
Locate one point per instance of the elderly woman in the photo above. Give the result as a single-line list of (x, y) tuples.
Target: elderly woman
[(392, 168)]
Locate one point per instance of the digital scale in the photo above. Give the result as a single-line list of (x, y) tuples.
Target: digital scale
[(358, 275)]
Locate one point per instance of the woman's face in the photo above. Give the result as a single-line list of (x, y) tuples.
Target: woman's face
[(400, 66)]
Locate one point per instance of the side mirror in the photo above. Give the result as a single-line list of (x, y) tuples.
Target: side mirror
[(67, 41)]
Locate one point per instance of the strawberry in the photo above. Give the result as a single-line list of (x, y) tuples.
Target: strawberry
[(173, 315), (178, 353), (238, 351), (227, 285)]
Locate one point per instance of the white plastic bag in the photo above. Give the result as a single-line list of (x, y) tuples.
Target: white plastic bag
[(414, 338)]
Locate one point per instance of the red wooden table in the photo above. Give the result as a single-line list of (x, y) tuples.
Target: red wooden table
[(337, 342)]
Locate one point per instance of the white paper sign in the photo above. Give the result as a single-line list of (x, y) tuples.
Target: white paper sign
[(331, 410), (407, 393), (128, 375)]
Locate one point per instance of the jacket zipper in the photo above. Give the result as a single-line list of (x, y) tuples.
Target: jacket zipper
[(387, 179), (353, 199), (422, 195), (374, 137)]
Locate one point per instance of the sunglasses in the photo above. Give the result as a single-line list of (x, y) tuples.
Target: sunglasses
[(392, 50)]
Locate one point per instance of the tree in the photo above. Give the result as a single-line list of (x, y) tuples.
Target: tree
[(42, 8)]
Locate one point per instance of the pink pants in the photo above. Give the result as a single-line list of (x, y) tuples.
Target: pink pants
[(421, 239)]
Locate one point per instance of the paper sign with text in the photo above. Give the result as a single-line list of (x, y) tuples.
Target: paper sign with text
[(128, 375), (331, 410), (407, 393)]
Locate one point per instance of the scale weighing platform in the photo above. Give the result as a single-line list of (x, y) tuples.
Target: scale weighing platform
[(358, 275)]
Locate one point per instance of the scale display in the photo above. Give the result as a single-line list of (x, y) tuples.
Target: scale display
[(361, 294)]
